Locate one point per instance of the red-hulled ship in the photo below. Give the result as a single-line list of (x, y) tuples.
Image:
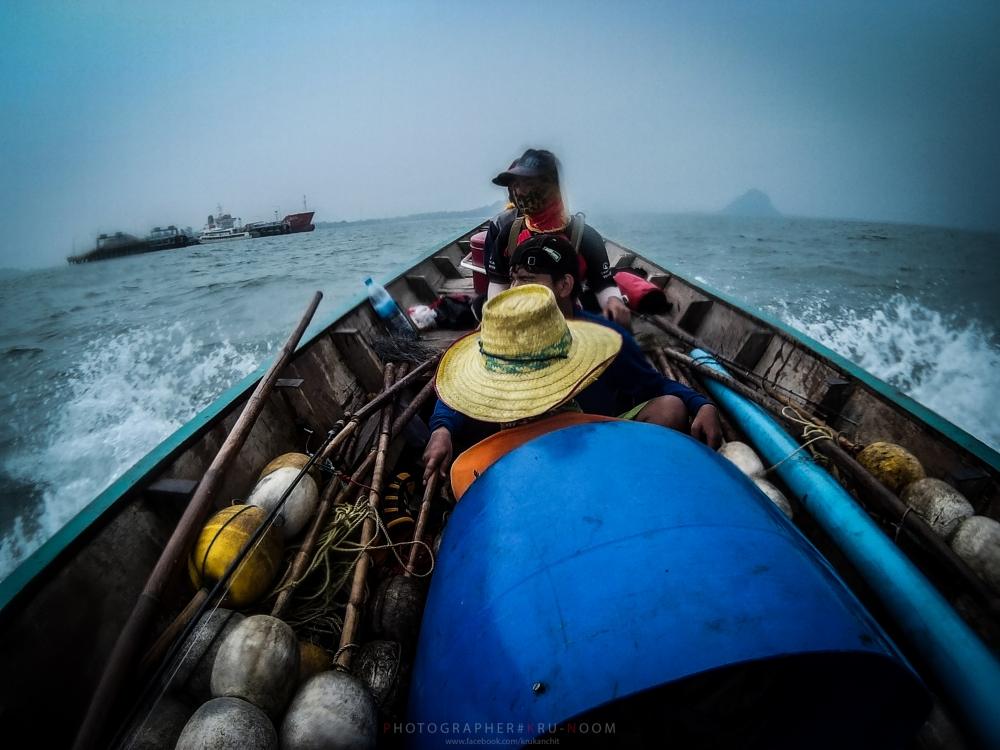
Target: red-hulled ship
[(301, 222)]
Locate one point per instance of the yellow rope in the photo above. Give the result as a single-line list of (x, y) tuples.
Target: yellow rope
[(316, 609), (811, 433)]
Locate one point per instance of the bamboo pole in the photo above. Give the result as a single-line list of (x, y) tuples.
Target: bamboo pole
[(886, 500), (302, 557), (671, 328), (159, 648), (728, 431), (123, 655), (374, 404), (295, 571), (301, 560), (352, 616), (418, 535), (766, 400)]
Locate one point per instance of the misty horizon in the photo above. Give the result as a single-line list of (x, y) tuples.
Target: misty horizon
[(124, 117)]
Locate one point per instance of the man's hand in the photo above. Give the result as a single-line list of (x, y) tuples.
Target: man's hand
[(437, 454), (706, 428), (618, 311)]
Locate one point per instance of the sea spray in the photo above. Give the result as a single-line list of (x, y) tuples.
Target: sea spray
[(947, 364), (124, 397)]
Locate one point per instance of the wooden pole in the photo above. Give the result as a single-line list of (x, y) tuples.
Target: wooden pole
[(352, 616), (375, 403), (159, 648), (766, 400), (728, 431), (671, 328), (302, 557), (418, 535), (122, 658), (887, 501), (890, 504), (301, 560)]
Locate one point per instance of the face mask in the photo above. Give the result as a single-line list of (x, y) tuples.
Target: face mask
[(532, 201)]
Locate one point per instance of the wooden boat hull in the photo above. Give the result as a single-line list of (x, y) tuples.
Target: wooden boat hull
[(63, 608)]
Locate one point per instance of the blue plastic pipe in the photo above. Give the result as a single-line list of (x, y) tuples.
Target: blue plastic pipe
[(959, 660)]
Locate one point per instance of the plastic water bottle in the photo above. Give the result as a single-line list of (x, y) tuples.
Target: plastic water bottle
[(387, 309)]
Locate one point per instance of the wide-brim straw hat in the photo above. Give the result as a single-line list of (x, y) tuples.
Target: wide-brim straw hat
[(525, 360)]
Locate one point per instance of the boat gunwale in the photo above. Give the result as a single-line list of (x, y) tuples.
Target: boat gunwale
[(942, 426), (84, 524)]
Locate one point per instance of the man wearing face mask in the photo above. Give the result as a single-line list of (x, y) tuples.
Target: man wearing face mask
[(533, 183)]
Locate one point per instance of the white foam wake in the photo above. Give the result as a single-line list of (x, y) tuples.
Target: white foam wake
[(949, 366), (125, 396)]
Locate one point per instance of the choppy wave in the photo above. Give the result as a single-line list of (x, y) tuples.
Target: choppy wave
[(949, 365), (17, 352), (124, 397)]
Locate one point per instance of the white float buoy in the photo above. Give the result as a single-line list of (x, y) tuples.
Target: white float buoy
[(977, 541), (298, 507), (332, 709), (744, 457), (258, 662), (194, 675), (775, 495), (228, 724), (938, 503), (160, 729)]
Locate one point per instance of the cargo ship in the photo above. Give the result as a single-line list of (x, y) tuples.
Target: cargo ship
[(224, 227), (120, 244), (292, 223), (300, 222)]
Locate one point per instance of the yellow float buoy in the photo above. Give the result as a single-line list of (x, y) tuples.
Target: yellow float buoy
[(221, 540), (891, 464), (313, 659)]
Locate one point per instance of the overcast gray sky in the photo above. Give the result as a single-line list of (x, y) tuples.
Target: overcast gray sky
[(120, 115)]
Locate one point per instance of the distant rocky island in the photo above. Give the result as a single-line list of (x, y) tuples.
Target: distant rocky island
[(754, 203)]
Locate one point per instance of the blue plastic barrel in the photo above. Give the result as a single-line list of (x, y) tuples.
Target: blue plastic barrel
[(615, 562)]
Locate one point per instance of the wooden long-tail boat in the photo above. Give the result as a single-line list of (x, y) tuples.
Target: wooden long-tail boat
[(63, 609)]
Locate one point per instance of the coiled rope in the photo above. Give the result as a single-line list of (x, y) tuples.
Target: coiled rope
[(314, 608)]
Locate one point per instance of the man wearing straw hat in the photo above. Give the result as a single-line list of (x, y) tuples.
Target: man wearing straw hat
[(522, 369), (629, 384)]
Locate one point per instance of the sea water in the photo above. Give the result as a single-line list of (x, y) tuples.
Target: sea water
[(101, 362)]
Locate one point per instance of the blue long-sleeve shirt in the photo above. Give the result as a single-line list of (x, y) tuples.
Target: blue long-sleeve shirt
[(628, 381)]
